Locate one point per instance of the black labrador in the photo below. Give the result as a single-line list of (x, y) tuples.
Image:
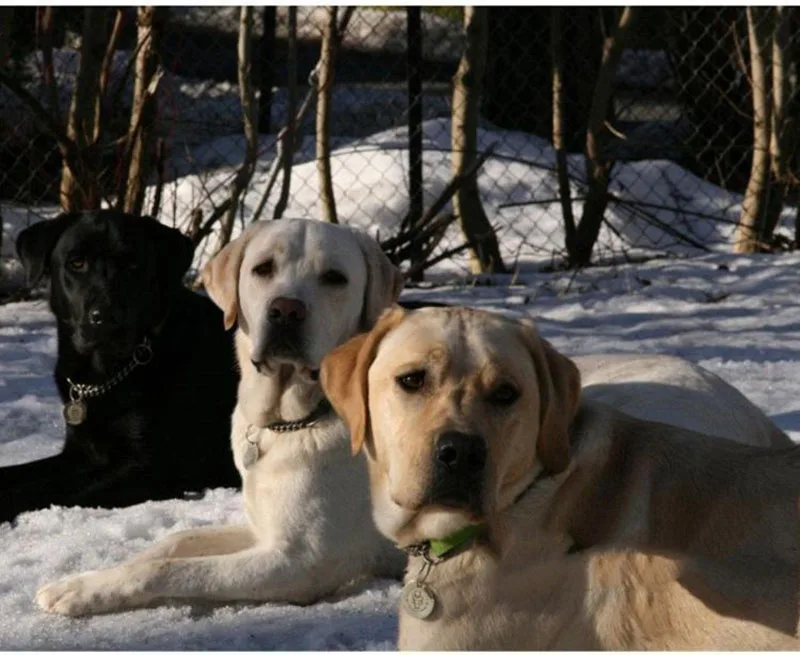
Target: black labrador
[(145, 369)]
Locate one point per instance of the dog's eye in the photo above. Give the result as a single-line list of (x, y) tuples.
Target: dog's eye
[(411, 382), (333, 278), (265, 269), (77, 263), (505, 394)]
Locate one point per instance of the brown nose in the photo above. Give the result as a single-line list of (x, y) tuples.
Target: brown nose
[(286, 311)]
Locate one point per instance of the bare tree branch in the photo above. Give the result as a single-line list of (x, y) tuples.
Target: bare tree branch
[(326, 71), (746, 237), (250, 116), (286, 144), (467, 84), (161, 155), (556, 52), (598, 163)]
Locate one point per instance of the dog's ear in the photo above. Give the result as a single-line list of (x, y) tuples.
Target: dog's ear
[(35, 245), (344, 375), (384, 280), (175, 251), (559, 394), (221, 278)]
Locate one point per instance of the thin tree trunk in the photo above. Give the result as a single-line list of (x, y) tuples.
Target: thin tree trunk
[(267, 69), (287, 142), (559, 127), (80, 189), (746, 237), (327, 65), (141, 129), (779, 145), (598, 163), (249, 102), (414, 73), (467, 85)]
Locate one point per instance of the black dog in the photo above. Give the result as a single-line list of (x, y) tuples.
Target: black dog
[(145, 369)]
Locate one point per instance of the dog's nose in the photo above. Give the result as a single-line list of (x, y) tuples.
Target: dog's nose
[(461, 454), (96, 317), (286, 311)]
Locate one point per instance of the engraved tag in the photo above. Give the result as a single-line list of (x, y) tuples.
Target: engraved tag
[(418, 600), (251, 454), (75, 412)]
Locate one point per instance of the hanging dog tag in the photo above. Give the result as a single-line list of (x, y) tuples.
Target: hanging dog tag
[(418, 600), (75, 412), (251, 454)]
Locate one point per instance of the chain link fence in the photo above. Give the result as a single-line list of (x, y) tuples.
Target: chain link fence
[(675, 137)]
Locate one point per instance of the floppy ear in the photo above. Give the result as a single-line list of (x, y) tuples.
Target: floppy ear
[(384, 280), (344, 375), (221, 277), (35, 245), (559, 394), (174, 249)]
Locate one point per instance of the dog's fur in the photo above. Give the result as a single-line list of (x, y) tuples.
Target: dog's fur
[(144, 439), (306, 498), (599, 530)]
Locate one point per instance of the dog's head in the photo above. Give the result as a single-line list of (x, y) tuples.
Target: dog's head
[(111, 275), (298, 288), (458, 410)]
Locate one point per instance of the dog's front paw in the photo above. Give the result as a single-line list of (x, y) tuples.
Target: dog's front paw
[(94, 592), (71, 596)]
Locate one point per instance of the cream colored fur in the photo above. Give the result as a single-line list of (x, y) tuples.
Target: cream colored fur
[(633, 535)]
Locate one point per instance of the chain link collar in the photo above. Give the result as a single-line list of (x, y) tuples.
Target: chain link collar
[(320, 412), (142, 355)]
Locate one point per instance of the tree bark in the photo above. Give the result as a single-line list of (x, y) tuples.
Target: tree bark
[(149, 22), (414, 74), (287, 142), (250, 117), (80, 189), (484, 253), (598, 163), (780, 135), (267, 69), (559, 127), (746, 236), (326, 71)]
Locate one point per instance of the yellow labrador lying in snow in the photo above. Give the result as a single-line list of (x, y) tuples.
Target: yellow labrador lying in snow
[(536, 520)]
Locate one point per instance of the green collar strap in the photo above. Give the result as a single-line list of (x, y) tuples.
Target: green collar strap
[(441, 547)]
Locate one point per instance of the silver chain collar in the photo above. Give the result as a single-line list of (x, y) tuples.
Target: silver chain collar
[(142, 355), (317, 414)]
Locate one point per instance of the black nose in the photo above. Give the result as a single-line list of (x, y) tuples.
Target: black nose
[(286, 312), (461, 454), (96, 317)]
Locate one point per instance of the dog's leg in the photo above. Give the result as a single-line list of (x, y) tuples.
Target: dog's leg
[(199, 542), (251, 575)]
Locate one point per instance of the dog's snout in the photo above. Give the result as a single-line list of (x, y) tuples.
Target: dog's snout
[(461, 453), (287, 311), (96, 317)]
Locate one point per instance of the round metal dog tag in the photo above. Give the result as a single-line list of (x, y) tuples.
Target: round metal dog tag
[(75, 412), (418, 600), (250, 455)]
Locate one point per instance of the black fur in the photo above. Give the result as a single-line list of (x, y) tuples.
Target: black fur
[(164, 430)]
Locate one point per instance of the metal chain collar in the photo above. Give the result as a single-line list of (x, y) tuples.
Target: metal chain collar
[(142, 355), (317, 414)]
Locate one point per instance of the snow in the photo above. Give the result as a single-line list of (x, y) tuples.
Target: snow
[(735, 315)]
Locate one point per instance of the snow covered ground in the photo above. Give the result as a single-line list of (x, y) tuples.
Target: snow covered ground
[(737, 316)]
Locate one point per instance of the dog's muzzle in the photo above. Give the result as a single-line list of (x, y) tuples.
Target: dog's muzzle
[(459, 465)]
